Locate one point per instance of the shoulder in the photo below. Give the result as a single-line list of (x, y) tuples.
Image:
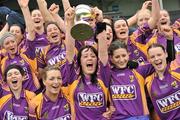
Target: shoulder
[(4, 100)]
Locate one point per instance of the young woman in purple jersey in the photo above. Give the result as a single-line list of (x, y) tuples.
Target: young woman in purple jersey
[(164, 84), (136, 41), (51, 104), (25, 59), (88, 93), (15, 104)]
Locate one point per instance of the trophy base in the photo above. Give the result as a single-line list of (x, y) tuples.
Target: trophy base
[(82, 32)]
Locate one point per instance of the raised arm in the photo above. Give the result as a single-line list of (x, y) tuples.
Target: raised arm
[(44, 11), (54, 9), (4, 30), (132, 20), (66, 5), (70, 42), (102, 43), (27, 16), (155, 14)]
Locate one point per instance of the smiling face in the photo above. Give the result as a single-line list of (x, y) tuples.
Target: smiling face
[(10, 45), (121, 29), (53, 33), (164, 19), (37, 18), (88, 61), (14, 79), (53, 82), (16, 30), (157, 57), (143, 17), (120, 58)]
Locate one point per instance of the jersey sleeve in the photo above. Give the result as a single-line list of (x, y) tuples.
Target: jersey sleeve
[(145, 70), (105, 73), (29, 49), (142, 33), (68, 72)]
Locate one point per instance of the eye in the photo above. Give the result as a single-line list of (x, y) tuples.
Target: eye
[(124, 55), (9, 75), (51, 78), (59, 78)]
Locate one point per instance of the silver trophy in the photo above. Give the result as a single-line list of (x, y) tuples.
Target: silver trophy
[(82, 30)]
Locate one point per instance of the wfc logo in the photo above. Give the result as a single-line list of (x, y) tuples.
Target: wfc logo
[(91, 100), (169, 103), (123, 92), (10, 116)]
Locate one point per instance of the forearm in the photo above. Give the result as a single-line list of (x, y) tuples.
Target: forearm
[(59, 21), (66, 4), (4, 30), (155, 14), (44, 11), (70, 42)]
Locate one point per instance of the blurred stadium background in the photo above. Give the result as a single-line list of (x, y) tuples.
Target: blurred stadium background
[(114, 8)]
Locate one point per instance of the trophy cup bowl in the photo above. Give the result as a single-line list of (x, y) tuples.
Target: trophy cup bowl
[(82, 30)]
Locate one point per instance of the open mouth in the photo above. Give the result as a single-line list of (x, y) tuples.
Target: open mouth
[(14, 81), (89, 65), (55, 87), (122, 33), (158, 64), (37, 21), (163, 23)]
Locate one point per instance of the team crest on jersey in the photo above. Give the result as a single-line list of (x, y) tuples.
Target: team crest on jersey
[(66, 107), (22, 62), (45, 116), (131, 78), (136, 52), (10, 116), (90, 100), (123, 92), (169, 103), (174, 84)]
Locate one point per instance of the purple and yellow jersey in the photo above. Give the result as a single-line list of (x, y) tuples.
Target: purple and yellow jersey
[(88, 101), (127, 92), (4, 89), (42, 108), (161, 39), (165, 93), (40, 42), (53, 54), (15, 109), (137, 44), (28, 61)]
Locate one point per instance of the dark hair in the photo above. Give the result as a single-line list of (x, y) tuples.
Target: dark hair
[(110, 19), (13, 66), (121, 18), (21, 28), (116, 45), (46, 24), (48, 68), (94, 75), (155, 45)]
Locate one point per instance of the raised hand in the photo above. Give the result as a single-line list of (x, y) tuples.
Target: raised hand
[(70, 14), (167, 31), (146, 4), (54, 9), (98, 14), (23, 3)]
